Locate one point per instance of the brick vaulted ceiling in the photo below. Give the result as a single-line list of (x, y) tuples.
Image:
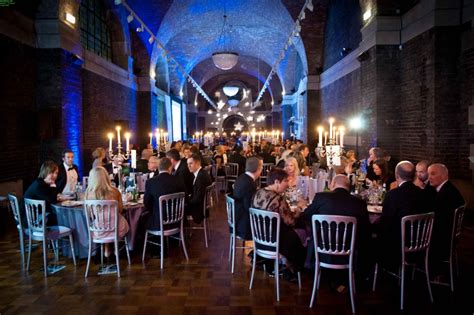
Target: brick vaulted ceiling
[(190, 30)]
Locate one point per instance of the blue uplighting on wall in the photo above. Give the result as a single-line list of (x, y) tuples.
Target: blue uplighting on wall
[(72, 107)]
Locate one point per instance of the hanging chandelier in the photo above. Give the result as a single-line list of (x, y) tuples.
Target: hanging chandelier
[(224, 58)]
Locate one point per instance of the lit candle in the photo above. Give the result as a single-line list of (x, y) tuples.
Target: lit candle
[(151, 137), (325, 137), (127, 137), (336, 136), (118, 134), (341, 132), (320, 136), (111, 136), (331, 121)]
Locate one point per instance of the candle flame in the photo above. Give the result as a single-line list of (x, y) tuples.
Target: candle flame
[(118, 128), (110, 135), (127, 135)]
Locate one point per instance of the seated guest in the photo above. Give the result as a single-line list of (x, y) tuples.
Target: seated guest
[(339, 201), (201, 181), (237, 157), (284, 155), (186, 152), (266, 154), (44, 188), (382, 174), (272, 198), (421, 178), (68, 174), (304, 170), (447, 199), (162, 184), (153, 166), (244, 189), (293, 171), (375, 153), (100, 157), (219, 160), (405, 200), (100, 188), (304, 150), (142, 164), (180, 170)]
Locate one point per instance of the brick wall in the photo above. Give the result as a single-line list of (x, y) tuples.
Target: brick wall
[(105, 103)]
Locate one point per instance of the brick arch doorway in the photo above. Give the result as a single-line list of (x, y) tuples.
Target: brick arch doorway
[(228, 125)]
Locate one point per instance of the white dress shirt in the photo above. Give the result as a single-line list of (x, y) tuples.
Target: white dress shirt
[(196, 175), (71, 182)]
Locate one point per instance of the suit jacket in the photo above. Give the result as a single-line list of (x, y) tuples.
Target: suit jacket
[(185, 176), (39, 190), (341, 202), (244, 190), (61, 180), (267, 158), (407, 199), (196, 199), (239, 159), (446, 201), (160, 185)]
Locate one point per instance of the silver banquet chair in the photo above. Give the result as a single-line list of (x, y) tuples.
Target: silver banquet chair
[(22, 231), (334, 235), (416, 238), (231, 172), (38, 231), (172, 211), (265, 226), (208, 204), (230, 206), (102, 216)]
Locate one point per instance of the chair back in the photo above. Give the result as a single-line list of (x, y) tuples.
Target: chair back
[(416, 232), (214, 171), (265, 226), (102, 215), (85, 182), (230, 205), (141, 182), (265, 170), (334, 235), (208, 200), (36, 216), (232, 170), (457, 225), (14, 205), (171, 208)]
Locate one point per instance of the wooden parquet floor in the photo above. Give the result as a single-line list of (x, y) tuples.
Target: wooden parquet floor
[(204, 285)]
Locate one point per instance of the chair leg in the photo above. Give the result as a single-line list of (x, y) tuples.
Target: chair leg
[(352, 288), (29, 254), (54, 244), (144, 246), (117, 260), (22, 251), (205, 231), (184, 245), (315, 285), (162, 245), (375, 277), (428, 277), (88, 258), (253, 267), (126, 249), (451, 274), (402, 286), (277, 279), (45, 257), (233, 253), (230, 248), (299, 280), (71, 242)]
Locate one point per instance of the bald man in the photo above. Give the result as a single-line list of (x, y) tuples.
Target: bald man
[(406, 199), (447, 199), (339, 201)]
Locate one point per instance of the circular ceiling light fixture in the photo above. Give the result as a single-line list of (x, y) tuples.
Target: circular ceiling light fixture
[(224, 58), (230, 90)]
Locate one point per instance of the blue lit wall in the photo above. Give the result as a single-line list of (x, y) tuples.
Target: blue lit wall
[(71, 102)]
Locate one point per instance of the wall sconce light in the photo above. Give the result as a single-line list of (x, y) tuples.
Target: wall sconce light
[(367, 15), (70, 18)]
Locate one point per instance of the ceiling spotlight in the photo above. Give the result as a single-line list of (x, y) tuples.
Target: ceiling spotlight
[(231, 90), (367, 15), (209, 112), (130, 18), (140, 29), (151, 40), (70, 18), (195, 103)]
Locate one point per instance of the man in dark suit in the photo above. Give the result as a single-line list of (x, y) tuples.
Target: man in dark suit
[(68, 175), (142, 164), (244, 189), (238, 158), (340, 202), (266, 154), (153, 164), (406, 199), (201, 180), (162, 184), (180, 170), (447, 199)]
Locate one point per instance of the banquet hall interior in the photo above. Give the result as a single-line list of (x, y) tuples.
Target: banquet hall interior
[(124, 82)]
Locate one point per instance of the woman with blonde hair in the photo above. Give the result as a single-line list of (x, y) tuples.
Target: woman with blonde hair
[(291, 167), (100, 188), (99, 156)]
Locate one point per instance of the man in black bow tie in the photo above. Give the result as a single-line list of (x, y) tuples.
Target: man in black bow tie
[(68, 174)]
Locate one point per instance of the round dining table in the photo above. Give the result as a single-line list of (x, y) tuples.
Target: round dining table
[(71, 214)]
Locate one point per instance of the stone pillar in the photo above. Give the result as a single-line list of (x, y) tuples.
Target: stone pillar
[(286, 113)]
